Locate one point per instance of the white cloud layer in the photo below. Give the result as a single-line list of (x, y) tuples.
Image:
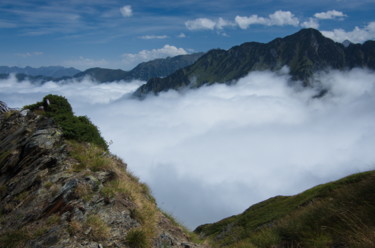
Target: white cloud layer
[(212, 152), (357, 35), (153, 37), (129, 60), (126, 11), (207, 24), (332, 14), (279, 18)]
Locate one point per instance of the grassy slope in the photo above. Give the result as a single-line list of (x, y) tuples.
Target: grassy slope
[(336, 214)]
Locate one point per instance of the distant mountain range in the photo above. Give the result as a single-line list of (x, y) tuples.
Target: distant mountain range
[(144, 71), (45, 71), (304, 52)]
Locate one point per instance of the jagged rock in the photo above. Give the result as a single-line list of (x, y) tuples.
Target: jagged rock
[(3, 107), (50, 197)]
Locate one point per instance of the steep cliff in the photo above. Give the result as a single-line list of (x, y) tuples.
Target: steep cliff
[(62, 193)]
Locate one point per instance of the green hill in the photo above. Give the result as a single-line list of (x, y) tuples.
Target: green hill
[(336, 214)]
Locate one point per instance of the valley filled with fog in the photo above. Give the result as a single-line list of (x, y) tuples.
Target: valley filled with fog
[(211, 152)]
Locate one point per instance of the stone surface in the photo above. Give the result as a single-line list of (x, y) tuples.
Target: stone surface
[(45, 202)]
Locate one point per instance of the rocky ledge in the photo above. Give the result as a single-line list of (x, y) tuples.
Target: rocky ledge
[(58, 193)]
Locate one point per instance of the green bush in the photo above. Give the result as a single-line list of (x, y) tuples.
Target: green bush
[(136, 238), (78, 128)]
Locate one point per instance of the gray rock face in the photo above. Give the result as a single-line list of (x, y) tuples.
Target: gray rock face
[(3, 107), (47, 199)]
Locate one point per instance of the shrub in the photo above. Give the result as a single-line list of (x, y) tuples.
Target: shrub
[(78, 128), (136, 238)]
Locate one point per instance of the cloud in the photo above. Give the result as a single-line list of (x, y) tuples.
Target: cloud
[(7, 24), (332, 14), (181, 35), (152, 37), (207, 24), (357, 35), (310, 23), (29, 54), (132, 59), (126, 11), (211, 152), (278, 18)]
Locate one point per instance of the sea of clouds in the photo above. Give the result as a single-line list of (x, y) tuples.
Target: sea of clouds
[(211, 152)]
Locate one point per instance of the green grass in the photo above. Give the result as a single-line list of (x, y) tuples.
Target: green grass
[(340, 212)]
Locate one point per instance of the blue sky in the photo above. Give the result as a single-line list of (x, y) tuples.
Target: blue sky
[(121, 34)]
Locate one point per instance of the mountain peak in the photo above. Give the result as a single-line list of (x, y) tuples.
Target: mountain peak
[(304, 53)]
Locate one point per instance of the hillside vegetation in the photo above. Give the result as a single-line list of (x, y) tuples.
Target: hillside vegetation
[(336, 214)]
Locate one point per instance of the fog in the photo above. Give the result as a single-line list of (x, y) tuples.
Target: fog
[(211, 152)]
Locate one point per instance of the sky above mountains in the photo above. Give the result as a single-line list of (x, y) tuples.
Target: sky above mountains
[(121, 34)]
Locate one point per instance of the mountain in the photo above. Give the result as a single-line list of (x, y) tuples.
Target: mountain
[(46, 71), (60, 187), (336, 214), (304, 52), (143, 71)]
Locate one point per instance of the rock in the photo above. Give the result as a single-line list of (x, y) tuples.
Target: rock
[(25, 112), (3, 107), (46, 202)]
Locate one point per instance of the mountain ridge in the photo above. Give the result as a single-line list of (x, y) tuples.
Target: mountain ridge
[(304, 52), (143, 71), (54, 72), (57, 192)]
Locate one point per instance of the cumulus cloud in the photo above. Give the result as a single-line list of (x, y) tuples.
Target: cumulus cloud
[(278, 18), (126, 11), (310, 23), (332, 14), (207, 24), (132, 59), (212, 152), (357, 35), (153, 37)]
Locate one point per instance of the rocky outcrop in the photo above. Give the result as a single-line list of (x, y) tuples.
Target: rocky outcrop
[(3, 107), (58, 193)]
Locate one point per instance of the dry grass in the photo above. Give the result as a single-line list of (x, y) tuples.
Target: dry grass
[(99, 229), (124, 184)]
